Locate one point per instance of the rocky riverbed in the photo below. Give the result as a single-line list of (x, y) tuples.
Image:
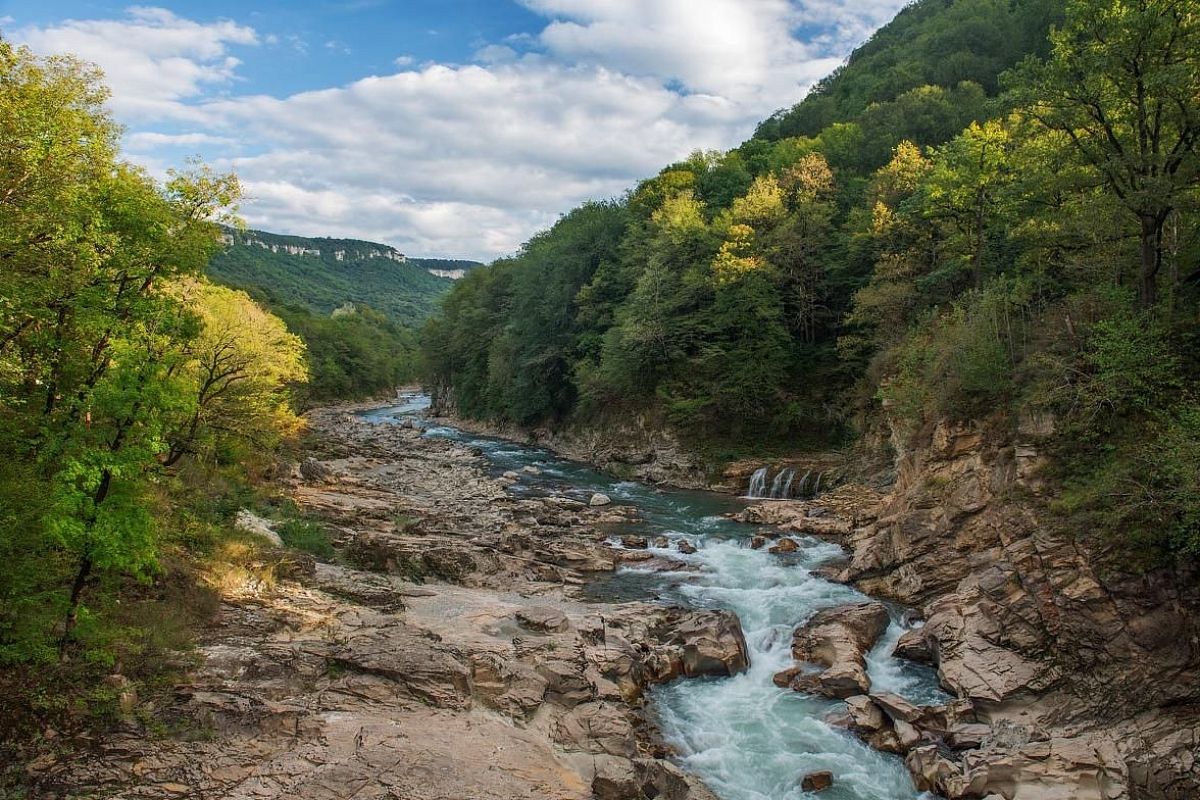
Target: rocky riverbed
[(1074, 678), (448, 655)]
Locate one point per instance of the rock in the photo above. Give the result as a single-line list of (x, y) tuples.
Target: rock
[(599, 499), (662, 542), (418, 667), (565, 684), (596, 728), (543, 620), (316, 471), (915, 647), (512, 475), (509, 687), (634, 542), (837, 639), (817, 781), (967, 736), (251, 523), (785, 545), (686, 547), (529, 469), (865, 716), (758, 542), (702, 643), (896, 707)]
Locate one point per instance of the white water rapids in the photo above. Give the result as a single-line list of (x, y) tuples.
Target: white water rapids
[(745, 737)]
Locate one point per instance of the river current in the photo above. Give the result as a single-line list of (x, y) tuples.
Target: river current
[(744, 736)]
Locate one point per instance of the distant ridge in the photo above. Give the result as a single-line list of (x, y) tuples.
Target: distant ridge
[(321, 274)]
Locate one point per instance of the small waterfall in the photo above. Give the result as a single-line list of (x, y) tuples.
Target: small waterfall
[(778, 491), (785, 486), (758, 482)]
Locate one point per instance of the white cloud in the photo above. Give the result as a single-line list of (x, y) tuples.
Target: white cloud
[(152, 59), (470, 160)]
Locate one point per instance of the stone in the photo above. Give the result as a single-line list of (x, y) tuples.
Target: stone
[(662, 542), (634, 542), (249, 522), (686, 547), (565, 684), (817, 781), (896, 707), (599, 499), (914, 646), (512, 475), (785, 545), (967, 736), (705, 643), (543, 620), (865, 716), (529, 469), (758, 542), (316, 471), (838, 639)]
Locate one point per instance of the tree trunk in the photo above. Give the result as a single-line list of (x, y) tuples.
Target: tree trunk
[(84, 572), (1152, 229), (81, 577)]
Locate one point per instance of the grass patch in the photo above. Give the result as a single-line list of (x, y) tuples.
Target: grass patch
[(307, 535)]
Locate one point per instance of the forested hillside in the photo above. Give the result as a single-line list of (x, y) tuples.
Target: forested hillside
[(136, 398), (354, 303), (324, 274), (975, 218)]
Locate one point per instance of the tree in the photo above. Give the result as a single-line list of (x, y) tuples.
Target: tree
[(238, 371), (1121, 84), (89, 332), (964, 188)]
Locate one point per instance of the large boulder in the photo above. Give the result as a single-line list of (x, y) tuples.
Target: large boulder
[(837, 639), (709, 643)]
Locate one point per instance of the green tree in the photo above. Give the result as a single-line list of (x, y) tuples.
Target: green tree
[(1121, 84), (239, 370)]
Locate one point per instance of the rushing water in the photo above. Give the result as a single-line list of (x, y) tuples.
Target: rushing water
[(747, 738)]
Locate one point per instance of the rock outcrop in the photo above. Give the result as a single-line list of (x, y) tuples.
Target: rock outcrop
[(837, 640), (1082, 679)]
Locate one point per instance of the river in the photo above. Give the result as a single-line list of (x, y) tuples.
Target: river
[(745, 737)]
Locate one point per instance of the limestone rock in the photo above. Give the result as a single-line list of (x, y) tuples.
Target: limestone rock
[(785, 545), (837, 639), (251, 523), (599, 499)]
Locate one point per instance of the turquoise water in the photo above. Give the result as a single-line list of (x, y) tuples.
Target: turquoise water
[(747, 738)]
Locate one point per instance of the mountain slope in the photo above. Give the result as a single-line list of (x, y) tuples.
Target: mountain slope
[(940, 43), (323, 274)]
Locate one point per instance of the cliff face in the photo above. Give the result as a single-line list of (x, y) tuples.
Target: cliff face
[(636, 449), (1088, 675)]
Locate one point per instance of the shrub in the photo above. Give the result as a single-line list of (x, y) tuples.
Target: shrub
[(307, 535)]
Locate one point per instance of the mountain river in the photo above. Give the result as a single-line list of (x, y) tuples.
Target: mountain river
[(745, 737)]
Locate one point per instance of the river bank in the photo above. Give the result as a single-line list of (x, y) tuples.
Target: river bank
[(500, 623)]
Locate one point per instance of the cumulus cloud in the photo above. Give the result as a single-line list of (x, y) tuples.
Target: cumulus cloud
[(470, 159)]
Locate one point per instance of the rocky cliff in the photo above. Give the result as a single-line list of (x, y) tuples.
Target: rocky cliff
[(1086, 675)]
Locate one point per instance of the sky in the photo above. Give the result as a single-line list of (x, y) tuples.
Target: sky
[(446, 128)]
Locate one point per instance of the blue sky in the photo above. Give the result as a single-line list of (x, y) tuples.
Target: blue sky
[(452, 128)]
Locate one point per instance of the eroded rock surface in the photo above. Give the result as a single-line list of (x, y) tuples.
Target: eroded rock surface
[(453, 660), (1081, 680), (838, 640)]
